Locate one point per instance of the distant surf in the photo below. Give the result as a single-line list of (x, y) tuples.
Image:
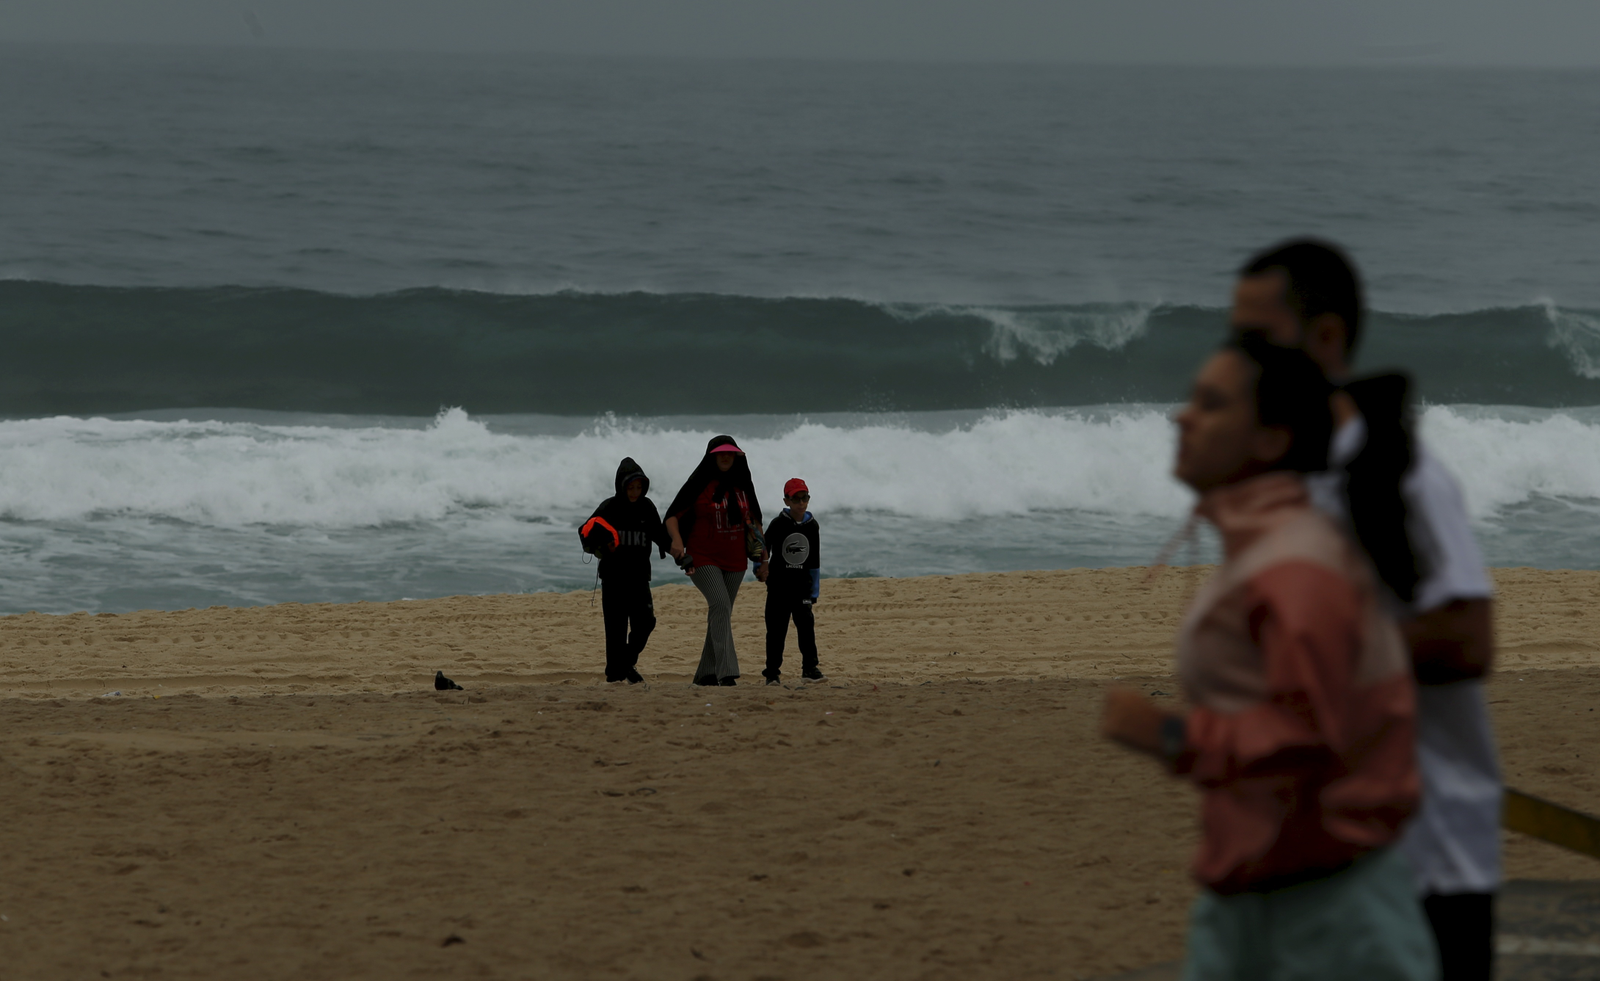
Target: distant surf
[(241, 508), (360, 472)]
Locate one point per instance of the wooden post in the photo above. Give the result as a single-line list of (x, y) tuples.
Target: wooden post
[(1551, 822)]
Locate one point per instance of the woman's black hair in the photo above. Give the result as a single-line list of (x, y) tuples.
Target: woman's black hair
[(1373, 481), (705, 474), (1291, 393)]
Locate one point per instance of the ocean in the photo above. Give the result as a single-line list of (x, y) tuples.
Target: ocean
[(325, 327)]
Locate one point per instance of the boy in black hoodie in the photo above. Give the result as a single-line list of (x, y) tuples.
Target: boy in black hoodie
[(793, 573), (625, 570)]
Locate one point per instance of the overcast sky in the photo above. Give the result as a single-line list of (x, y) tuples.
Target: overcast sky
[(1459, 32)]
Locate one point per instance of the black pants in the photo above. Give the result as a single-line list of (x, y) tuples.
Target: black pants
[(781, 606), (626, 603), (1463, 926)]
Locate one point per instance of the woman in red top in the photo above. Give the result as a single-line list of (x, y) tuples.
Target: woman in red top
[(710, 521), (1300, 735)]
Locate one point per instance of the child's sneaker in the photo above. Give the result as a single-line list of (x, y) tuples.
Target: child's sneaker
[(774, 681), (813, 674)]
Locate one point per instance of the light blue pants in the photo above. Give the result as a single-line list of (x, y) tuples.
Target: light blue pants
[(1362, 923)]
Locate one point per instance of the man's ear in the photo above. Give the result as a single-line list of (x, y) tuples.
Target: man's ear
[(1325, 339), (1271, 443)]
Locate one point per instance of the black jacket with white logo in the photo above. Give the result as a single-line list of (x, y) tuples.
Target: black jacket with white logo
[(796, 561)]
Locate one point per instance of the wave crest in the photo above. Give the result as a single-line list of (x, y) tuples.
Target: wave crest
[(1576, 334), (85, 350), (1043, 334)]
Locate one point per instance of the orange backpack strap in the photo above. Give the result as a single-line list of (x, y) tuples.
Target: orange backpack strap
[(601, 523)]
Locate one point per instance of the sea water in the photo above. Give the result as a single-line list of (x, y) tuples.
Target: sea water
[(314, 326)]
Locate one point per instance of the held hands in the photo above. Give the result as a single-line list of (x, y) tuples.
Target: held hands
[(680, 555), (1129, 717), (762, 571)]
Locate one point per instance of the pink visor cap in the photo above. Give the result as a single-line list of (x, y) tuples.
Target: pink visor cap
[(725, 448)]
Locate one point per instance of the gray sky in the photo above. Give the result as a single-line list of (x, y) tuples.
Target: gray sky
[(1457, 32)]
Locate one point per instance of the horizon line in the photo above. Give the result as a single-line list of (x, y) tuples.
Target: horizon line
[(1427, 58)]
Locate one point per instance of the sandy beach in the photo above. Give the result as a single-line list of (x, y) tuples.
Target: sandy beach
[(277, 792)]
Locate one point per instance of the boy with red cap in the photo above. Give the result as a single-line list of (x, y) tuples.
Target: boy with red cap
[(793, 575)]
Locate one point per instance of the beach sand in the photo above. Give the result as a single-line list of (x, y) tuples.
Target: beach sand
[(276, 793)]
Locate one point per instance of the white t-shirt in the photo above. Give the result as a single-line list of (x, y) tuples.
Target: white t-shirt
[(1453, 841)]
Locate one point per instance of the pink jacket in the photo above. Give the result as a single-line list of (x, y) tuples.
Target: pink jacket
[(1301, 736)]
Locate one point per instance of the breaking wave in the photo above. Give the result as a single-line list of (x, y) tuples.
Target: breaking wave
[(87, 349), (938, 467)]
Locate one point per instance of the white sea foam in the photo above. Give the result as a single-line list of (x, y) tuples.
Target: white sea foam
[(115, 515), (1577, 335), (1002, 464), (235, 474), (1113, 461), (1042, 334), (1508, 456), (1046, 336)]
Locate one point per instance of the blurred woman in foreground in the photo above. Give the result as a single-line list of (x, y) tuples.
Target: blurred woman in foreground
[(1301, 733)]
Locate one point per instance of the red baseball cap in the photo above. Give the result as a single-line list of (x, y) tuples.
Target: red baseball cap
[(795, 485)]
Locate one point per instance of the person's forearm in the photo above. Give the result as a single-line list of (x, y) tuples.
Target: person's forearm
[(1132, 719), (1454, 642)]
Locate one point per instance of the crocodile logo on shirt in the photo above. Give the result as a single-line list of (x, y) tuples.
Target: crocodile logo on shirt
[(796, 549)]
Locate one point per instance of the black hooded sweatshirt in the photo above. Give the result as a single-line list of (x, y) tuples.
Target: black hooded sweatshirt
[(638, 525)]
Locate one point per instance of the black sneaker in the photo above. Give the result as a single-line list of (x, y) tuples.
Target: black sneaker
[(813, 674), (729, 681), (634, 677), (774, 681), (706, 680)]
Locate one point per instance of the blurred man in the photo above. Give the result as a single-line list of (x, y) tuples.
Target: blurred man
[(1306, 294)]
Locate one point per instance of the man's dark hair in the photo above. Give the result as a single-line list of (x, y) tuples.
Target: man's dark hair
[(1292, 392), (1320, 279)]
